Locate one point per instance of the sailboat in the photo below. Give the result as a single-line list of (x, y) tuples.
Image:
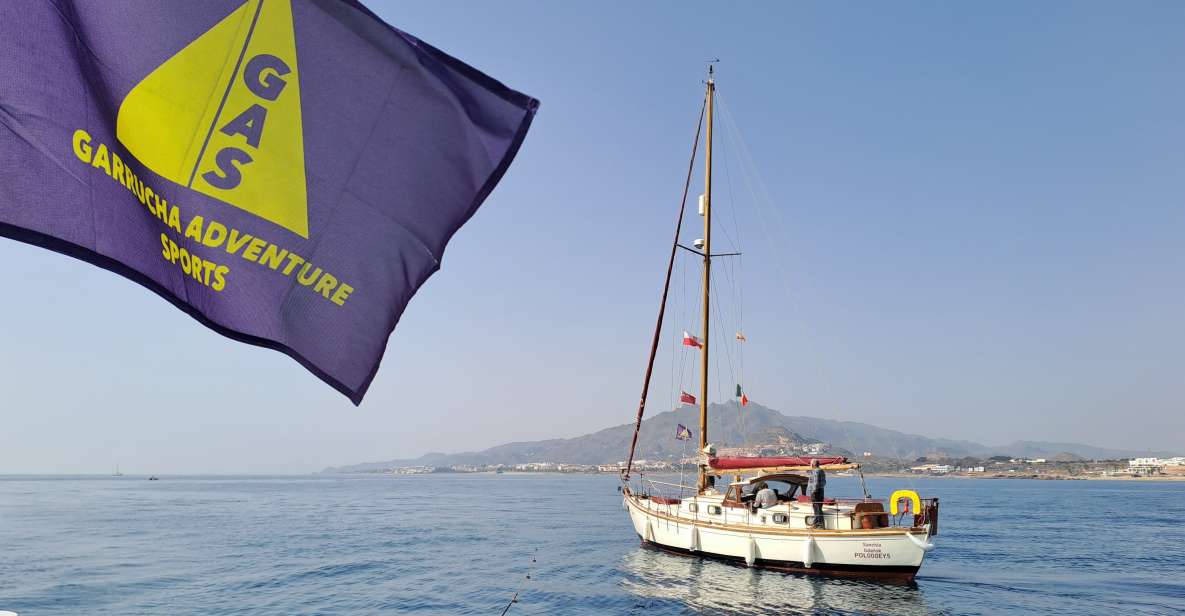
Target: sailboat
[(117, 473), (862, 537)]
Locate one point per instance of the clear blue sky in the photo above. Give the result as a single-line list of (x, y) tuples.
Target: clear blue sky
[(980, 224)]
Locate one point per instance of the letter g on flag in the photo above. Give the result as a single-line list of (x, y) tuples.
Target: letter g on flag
[(222, 116)]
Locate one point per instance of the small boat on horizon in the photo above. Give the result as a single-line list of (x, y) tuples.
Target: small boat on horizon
[(859, 537)]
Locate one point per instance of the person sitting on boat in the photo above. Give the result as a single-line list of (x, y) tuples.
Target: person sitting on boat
[(766, 497), (816, 481)]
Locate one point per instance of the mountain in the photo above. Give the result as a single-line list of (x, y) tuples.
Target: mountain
[(655, 441), (732, 426)]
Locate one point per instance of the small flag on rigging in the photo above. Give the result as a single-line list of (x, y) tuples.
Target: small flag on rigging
[(739, 392), (741, 337), (744, 400), (686, 398), (682, 433), (691, 341)]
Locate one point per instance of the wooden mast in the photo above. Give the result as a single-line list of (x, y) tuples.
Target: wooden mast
[(703, 390)]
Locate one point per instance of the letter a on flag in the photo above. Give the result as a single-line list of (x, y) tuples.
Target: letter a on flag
[(213, 120), (288, 172)]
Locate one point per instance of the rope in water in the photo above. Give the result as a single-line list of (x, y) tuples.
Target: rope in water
[(514, 598)]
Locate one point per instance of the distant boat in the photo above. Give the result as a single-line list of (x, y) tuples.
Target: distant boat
[(117, 473), (153, 478), (856, 537)]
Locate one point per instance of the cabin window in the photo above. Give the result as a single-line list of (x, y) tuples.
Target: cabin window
[(714, 509), (692, 507), (781, 518)]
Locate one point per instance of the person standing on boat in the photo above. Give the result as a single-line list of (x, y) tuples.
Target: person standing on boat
[(816, 481), (766, 497)]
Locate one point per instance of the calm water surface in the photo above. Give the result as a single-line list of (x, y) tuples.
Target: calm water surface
[(462, 544)]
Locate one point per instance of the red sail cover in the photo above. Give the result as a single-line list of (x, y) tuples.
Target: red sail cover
[(765, 462)]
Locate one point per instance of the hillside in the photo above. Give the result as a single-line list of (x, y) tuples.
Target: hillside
[(732, 426)]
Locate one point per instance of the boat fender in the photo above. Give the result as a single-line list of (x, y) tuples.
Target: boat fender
[(649, 536), (924, 545), (751, 557), (694, 539), (895, 499), (808, 552)]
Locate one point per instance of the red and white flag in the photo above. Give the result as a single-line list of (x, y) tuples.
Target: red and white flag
[(686, 398), (691, 341)]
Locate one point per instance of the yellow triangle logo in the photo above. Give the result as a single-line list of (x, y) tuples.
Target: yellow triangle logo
[(222, 116)]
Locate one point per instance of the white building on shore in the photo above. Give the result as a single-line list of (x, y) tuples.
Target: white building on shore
[(1154, 465)]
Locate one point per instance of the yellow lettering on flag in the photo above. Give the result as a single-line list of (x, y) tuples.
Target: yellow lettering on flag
[(222, 116)]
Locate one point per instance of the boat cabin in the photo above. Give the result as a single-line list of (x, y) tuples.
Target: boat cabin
[(785, 485)]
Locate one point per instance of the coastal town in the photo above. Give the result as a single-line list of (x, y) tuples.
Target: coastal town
[(1063, 466)]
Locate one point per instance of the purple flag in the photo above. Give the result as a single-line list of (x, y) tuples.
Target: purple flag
[(682, 433), (288, 172)]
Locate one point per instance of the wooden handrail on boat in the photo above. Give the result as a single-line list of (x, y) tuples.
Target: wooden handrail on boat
[(777, 530), (778, 469)]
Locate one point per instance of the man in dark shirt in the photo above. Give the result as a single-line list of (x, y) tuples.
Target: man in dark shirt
[(816, 480)]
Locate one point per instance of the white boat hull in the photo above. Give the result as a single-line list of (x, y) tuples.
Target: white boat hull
[(887, 554)]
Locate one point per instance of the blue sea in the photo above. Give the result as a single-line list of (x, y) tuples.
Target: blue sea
[(464, 544)]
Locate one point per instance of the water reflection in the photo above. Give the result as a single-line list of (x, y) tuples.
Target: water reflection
[(714, 587)]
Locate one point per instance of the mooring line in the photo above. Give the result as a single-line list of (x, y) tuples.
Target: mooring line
[(514, 598)]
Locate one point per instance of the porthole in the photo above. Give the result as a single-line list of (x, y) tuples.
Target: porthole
[(781, 518), (692, 507), (714, 509)]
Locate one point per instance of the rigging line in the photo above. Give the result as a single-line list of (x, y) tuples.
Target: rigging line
[(747, 154), (679, 358), (739, 289), (732, 208), (770, 218), (674, 350), (741, 430), (728, 355), (761, 197), (689, 318), (662, 306), (747, 174), (731, 199), (678, 342), (727, 350)]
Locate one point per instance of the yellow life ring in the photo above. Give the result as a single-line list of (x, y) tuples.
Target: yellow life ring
[(900, 494)]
